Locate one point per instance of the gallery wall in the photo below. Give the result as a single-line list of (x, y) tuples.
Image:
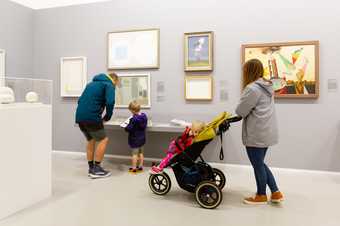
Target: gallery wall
[(309, 129), (16, 38)]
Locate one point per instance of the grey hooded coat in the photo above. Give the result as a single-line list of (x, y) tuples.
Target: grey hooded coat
[(256, 107)]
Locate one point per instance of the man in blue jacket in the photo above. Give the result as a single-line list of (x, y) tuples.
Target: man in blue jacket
[(97, 96)]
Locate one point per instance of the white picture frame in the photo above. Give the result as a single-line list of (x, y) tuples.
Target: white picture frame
[(127, 92), (73, 76), (134, 49), (198, 88), (2, 66)]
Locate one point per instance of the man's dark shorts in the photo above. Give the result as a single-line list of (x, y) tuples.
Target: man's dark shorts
[(93, 130)]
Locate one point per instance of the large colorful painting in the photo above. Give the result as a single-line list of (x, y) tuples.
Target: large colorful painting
[(293, 67), (198, 51)]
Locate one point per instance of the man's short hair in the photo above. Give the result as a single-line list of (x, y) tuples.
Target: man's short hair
[(114, 76)]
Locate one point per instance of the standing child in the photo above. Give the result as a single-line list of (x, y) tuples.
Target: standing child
[(136, 129), (179, 145)]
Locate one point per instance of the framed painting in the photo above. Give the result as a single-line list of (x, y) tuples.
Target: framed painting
[(2, 67), (198, 51), (73, 76), (133, 87), (198, 88), (134, 49), (293, 67)]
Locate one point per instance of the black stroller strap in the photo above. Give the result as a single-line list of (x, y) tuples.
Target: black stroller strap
[(221, 151), (178, 146)]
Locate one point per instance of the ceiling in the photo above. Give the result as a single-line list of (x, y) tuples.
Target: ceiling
[(42, 4)]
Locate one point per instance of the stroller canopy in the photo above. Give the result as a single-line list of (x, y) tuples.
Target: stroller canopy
[(210, 130)]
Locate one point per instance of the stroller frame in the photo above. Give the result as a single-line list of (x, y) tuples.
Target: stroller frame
[(195, 175)]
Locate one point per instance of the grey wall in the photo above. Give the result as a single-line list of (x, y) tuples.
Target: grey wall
[(16, 37), (309, 129)]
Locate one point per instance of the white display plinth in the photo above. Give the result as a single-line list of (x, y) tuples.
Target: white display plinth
[(26, 148)]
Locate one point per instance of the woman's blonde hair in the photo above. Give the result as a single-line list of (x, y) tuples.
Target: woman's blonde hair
[(252, 70)]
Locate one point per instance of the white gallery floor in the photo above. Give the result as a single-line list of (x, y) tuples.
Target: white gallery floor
[(312, 199)]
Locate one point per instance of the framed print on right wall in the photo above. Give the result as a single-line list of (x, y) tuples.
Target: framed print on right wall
[(293, 67), (198, 88), (198, 51)]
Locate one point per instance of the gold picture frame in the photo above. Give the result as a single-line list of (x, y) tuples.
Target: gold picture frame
[(293, 67), (198, 51), (198, 88), (133, 86), (122, 54)]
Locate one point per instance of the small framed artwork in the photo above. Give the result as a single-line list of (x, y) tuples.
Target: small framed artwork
[(73, 76), (2, 67), (134, 49), (198, 88), (293, 67), (198, 51), (134, 86)]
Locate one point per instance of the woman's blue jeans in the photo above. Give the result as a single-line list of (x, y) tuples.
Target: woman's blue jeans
[(263, 175)]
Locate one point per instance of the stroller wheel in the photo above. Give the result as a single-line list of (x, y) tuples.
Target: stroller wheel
[(219, 178), (208, 195), (160, 184)]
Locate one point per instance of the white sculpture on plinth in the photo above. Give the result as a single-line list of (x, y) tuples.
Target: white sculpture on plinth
[(32, 97), (6, 95)]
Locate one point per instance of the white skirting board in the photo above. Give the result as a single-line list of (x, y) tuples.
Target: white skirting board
[(214, 164), (26, 147)]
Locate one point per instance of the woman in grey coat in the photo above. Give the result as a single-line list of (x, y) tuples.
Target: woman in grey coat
[(259, 128)]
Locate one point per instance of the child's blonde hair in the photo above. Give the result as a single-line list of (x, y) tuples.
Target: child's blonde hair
[(198, 125), (134, 106)]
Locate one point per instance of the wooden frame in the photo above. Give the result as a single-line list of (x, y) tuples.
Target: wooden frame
[(73, 66), (191, 94), (118, 103), (2, 67), (289, 84), (207, 64), (155, 47)]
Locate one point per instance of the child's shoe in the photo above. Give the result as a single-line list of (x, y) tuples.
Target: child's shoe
[(155, 170), (257, 200), (132, 170), (276, 197), (140, 169)]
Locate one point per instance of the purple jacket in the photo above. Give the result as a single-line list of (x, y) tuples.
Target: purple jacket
[(136, 129)]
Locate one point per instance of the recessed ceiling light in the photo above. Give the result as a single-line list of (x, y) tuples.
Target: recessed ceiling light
[(42, 4)]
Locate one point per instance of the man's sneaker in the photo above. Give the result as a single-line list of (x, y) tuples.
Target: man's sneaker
[(140, 169), (98, 172), (132, 170), (257, 200), (155, 170), (276, 197)]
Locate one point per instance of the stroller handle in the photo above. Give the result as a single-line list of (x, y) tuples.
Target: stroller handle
[(224, 126), (234, 119)]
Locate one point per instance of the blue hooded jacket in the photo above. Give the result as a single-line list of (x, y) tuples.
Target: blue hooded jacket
[(98, 95), (136, 129)]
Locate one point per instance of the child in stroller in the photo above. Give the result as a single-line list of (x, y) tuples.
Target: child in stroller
[(179, 145), (193, 175)]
